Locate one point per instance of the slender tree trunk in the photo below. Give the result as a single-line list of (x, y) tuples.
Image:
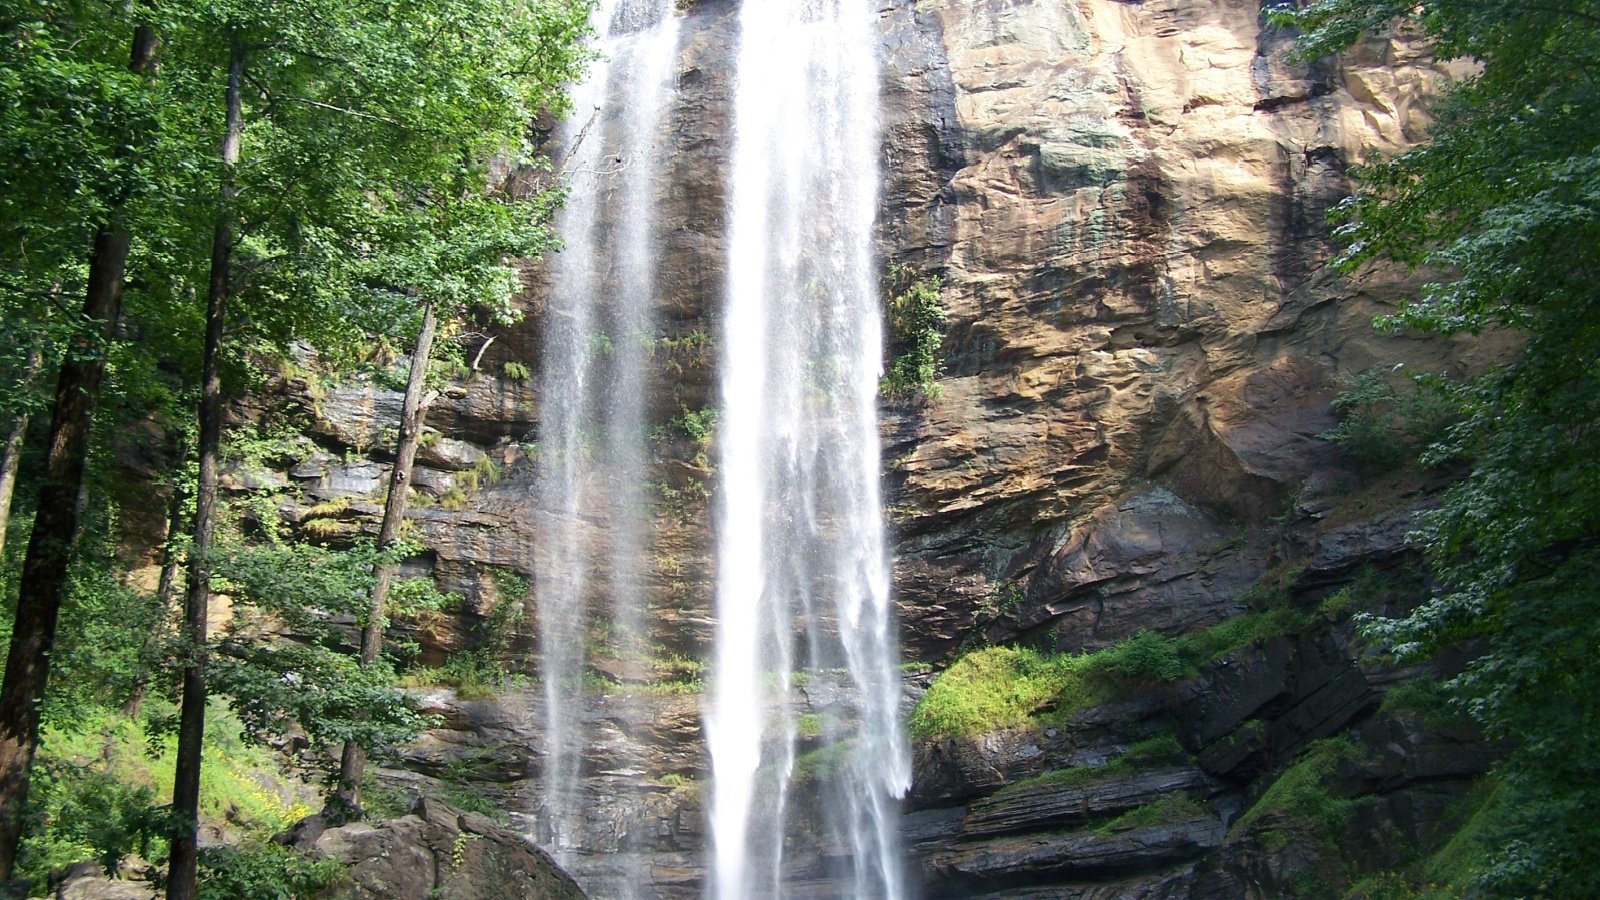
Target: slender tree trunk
[(44, 569), (13, 452), (182, 872), (346, 800), (166, 587)]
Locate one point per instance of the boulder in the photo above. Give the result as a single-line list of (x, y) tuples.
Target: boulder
[(437, 853)]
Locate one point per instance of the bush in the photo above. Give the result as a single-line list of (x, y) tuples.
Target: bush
[(1166, 811), (916, 320), (1162, 749), (1301, 792), (999, 687), (99, 788), (1146, 655), (1382, 425), (76, 813), (264, 871)]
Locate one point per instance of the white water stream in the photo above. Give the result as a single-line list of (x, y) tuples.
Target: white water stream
[(598, 331), (802, 596), (805, 666)]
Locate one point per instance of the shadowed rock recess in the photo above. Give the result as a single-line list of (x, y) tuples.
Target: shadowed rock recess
[(1124, 204)]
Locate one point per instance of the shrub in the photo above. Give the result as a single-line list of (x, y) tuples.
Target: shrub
[(999, 687), (264, 871), (1145, 655), (1161, 749), (916, 319), (516, 372), (1382, 425), (1169, 809), (1301, 792)]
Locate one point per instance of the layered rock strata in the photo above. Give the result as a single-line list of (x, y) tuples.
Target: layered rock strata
[(1125, 203)]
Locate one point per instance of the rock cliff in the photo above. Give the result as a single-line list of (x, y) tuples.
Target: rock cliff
[(1125, 203)]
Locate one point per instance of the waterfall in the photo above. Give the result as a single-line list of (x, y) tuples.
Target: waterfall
[(802, 596), (598, 334)]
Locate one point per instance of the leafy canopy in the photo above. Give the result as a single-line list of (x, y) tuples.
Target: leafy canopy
[(1505, 198)]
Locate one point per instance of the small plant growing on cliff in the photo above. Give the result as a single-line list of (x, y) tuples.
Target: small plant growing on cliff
[(916, 319), (1383, 424), (1001, 687), (515, 372), (1302, 793)]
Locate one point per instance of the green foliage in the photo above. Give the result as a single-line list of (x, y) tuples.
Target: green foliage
[(263, 870), (1301, 792), (1383, 426), (476, 672), (1156, 750), (1162, 749), (697, 424), (1169, 810), (1427, 698), (101, 780), (1150, 656), (312, 682), (916, 320), (824, 763), (1505, 199), (80, 813), (1145, 655), (515, 371), (1002, 687), (683, 351)]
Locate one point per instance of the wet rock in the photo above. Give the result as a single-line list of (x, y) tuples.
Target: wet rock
[(1028, 808), (1036, 858), (1150, 561)]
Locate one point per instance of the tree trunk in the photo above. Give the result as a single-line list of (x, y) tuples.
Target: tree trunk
[(346, 800), (182, 871), (44, 569), (13, 451)]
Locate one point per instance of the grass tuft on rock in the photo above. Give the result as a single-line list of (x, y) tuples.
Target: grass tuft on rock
[(1002, 687), (1005, 687), (1301, 792), (1163, 749), (1169, 810)]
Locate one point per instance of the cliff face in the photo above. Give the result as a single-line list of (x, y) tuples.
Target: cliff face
[(1126, 204)]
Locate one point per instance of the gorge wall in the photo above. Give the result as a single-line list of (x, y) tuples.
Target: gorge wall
[(1125, 203)]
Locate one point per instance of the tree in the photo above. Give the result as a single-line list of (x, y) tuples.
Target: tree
[(353, 758), (45, 57), (356, 139), (11, 455), (1506, 199)]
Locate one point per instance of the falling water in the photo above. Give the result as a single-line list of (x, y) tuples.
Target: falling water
[(598, 333), (803, 583)]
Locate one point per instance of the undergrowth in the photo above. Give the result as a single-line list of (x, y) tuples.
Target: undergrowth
[(100, 782), (1301, 792), (1002, 687)]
